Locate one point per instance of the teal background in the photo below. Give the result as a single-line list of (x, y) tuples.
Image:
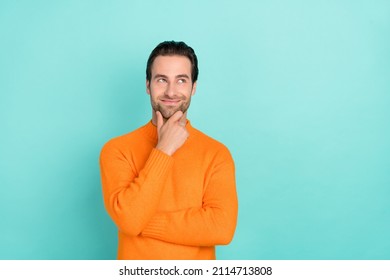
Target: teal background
[(298, 90)]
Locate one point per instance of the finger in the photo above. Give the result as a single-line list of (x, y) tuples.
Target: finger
[(176, 116), (160, 120)]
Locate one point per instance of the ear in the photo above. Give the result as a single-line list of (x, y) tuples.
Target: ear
[(148, 87), (193, 88)]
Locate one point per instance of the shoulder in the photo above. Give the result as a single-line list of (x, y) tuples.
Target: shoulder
[(123, 142), (211, 145)]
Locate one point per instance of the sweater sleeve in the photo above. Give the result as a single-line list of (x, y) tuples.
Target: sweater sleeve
[(212, 224), (126, 193)]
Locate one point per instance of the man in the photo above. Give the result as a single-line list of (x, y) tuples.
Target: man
[(169, 188)]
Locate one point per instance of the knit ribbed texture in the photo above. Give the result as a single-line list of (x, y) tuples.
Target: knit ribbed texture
[(169, 207), (158, 163)]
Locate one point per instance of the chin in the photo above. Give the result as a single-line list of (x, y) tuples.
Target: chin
[(169, 114)]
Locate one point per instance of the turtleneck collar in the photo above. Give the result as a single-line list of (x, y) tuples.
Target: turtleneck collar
[(151, 129)]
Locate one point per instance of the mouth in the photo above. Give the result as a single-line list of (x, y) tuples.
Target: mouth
[(170, 102)]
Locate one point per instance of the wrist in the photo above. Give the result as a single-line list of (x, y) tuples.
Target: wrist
[(165, 150)]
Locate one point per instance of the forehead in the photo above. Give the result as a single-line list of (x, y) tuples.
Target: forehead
[(171, 65)]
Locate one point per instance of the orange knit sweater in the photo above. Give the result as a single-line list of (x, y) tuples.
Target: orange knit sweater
[(169, 207)]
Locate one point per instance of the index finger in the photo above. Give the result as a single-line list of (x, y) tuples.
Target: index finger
[(176, 116)]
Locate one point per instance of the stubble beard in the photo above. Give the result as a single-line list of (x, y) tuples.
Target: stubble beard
[(169, 111)]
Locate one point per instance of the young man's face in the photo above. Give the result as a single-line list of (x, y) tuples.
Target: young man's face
[(170, 86)]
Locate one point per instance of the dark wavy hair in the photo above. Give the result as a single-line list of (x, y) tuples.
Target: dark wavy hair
[(173, 48)]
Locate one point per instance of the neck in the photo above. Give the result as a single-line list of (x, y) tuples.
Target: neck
[(182, 120)]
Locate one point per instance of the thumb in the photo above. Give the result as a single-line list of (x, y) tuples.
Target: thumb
[(160, 121)]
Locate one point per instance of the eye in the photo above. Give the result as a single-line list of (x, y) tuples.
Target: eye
[(161, 80), (181, 81)]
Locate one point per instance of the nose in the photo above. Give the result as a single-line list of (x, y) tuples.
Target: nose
[(170, 91)]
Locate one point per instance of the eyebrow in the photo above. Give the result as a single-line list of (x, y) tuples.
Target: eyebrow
[(159, 76), (182, 76), (164, 76)]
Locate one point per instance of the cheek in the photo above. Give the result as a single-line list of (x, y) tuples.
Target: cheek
[(158, 88), (187, 88), (153, 89)]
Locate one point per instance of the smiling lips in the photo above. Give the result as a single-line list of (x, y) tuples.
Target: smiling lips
[(170, 101)]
